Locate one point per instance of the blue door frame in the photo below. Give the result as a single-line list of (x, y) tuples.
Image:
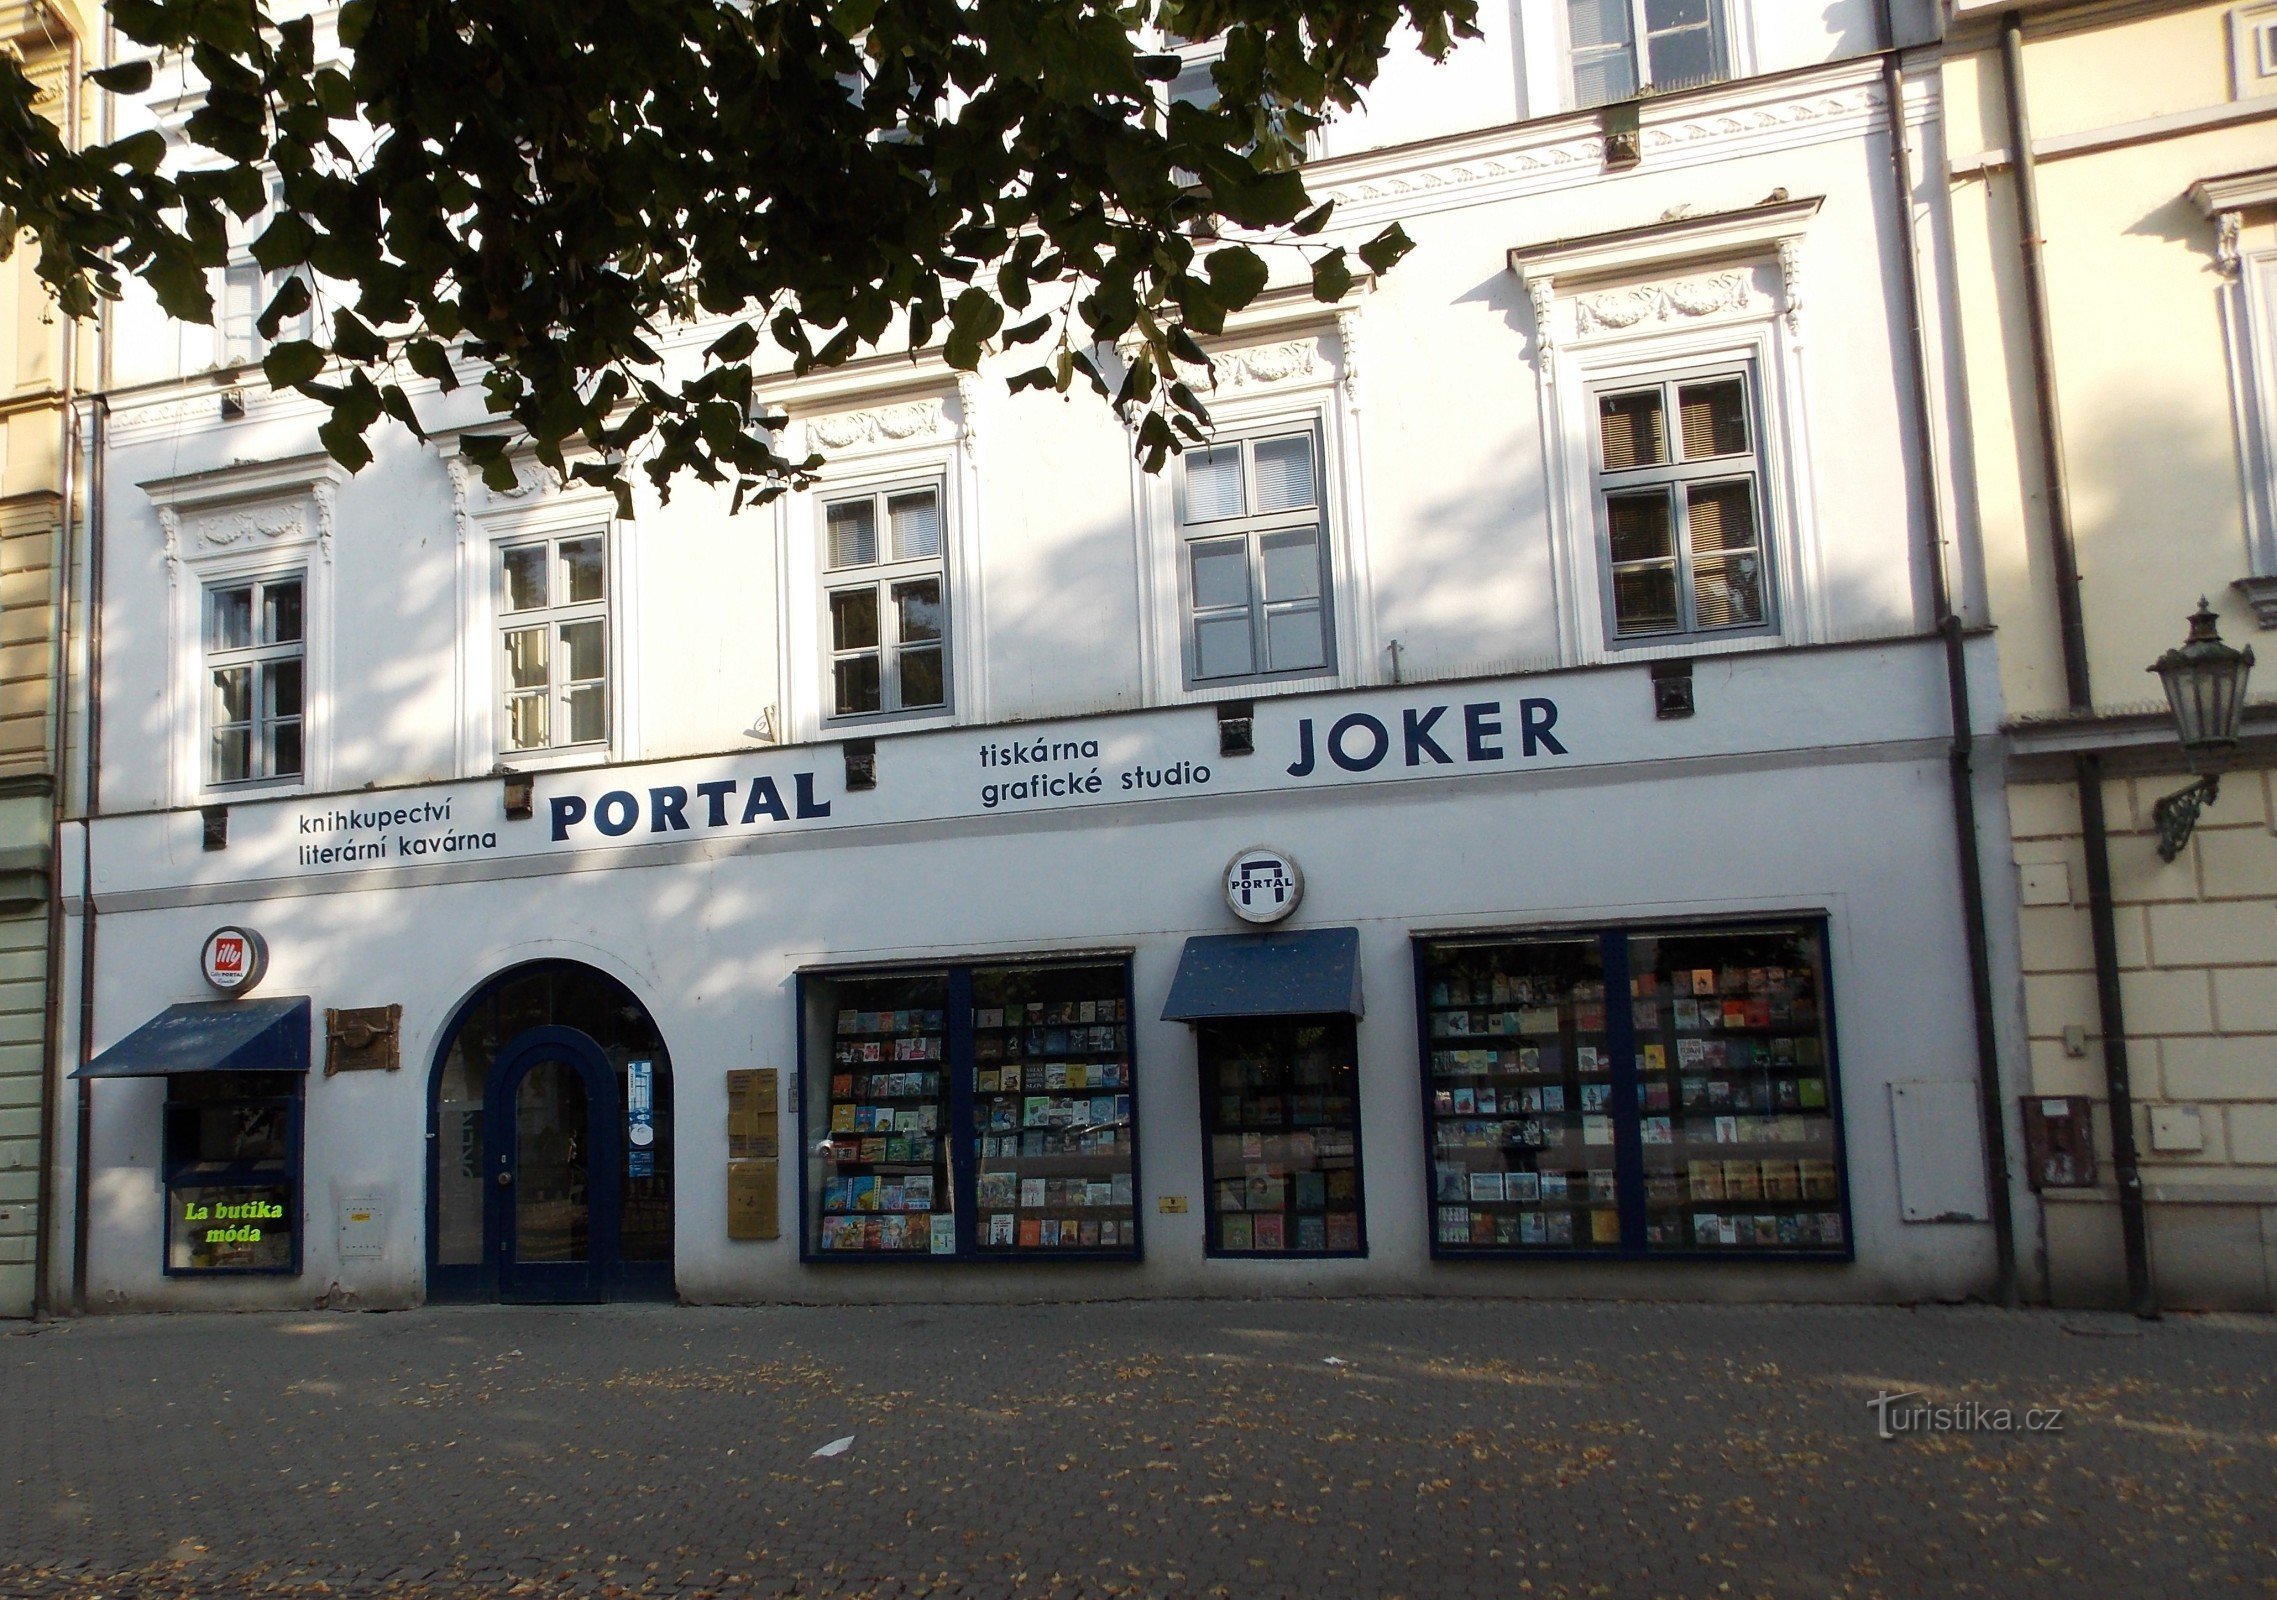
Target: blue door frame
[(591, 1279)]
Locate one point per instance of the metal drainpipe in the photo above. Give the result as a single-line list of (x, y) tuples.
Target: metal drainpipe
[(91, 803), (58, 681), (1960, 758), (2087, 767)]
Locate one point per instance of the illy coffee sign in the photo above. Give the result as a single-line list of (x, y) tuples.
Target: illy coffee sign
[(234, 960), (1263, 884)]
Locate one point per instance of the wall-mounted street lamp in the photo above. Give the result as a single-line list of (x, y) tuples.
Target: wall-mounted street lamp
[(2205, 687)]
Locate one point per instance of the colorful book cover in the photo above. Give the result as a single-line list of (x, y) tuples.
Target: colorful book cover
[(1031, 1232), (1271, 1232), (1532, 1228), (1524, 1186), (1560, 1227), (1000, 1228), (1486, 1187), (1234, 1233), (1604, 1227), (1596, 1130)]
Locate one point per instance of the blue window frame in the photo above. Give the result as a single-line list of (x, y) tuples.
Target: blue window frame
[(232, 1151), (969, 1113), (1650, 1092)]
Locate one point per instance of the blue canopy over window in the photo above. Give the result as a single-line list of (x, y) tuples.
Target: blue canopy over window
[(1312, 973), (212, 1036)]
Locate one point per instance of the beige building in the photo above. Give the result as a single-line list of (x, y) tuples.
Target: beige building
[(41, 364), (2114, 190)]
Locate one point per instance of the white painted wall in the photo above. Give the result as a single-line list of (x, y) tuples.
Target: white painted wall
[(1824, 798)]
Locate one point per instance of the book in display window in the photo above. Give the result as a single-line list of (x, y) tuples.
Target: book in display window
[(1637, 1092), (1280, 1115), (971, 1113), (1052, 1142), (1523, 1153), (879, 1184), (1740, 1142)]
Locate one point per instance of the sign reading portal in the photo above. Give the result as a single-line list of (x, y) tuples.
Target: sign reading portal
[(235, 960), (1263, 884)]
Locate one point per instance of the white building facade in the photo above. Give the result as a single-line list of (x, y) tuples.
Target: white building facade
[(1481, 827)]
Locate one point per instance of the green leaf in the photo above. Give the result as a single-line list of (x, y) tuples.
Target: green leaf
[(431, 361), (1384, 251), (734, 345), (1238, 273), (1331, 276), (143, 152), (129, 77), (974, 316), (293, 362)]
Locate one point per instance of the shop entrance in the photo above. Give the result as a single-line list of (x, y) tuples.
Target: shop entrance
[(550, 1177)]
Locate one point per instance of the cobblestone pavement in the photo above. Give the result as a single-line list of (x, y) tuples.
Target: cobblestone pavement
[(1365, 1448)]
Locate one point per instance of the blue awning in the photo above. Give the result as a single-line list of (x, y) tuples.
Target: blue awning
[(212, 1036), (1312, 973)]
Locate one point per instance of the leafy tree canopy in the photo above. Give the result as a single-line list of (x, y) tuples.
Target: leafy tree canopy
[(552, 189)]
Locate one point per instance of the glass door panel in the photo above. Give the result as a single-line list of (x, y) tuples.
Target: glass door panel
[(552, 1199)]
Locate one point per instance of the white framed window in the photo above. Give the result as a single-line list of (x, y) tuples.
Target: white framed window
[(1254, 565), (1676, 436), (256, 648), (552, 605), (248, 626), (1679, 503), (548, 644), (885, 599), (1623, 48), (1253, 547), (244, 292)]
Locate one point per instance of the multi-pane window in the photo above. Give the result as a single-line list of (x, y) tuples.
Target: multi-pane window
[(1679, 481), (554, 641), (245, 292), (885, 598), (1255, 550), (1626, 47), (256, 659)]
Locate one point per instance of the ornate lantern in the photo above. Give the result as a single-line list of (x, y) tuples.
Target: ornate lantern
[(2205, 688)]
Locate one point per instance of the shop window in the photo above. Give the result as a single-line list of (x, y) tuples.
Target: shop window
[(553, 632), (1280, 1111), (1680, 503), (256, 650), (232, 1154), (1698, 1118), (1682, 43), (885, 602), (1254, 559), (975, 1112)]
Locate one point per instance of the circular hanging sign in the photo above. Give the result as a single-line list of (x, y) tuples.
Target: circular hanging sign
[(1263, 884), (234, 960)]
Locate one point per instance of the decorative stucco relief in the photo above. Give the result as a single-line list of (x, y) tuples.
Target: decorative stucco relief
[(1683, 299), (842, 430)]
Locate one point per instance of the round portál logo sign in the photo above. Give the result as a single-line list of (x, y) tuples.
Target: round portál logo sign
[(1263, 884), (234, 959)]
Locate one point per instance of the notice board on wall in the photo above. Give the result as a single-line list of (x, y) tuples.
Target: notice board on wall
[(752, 1211), (754, 1151), (752, 1115)]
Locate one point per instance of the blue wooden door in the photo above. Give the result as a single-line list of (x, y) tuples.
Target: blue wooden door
[(555, 1167)]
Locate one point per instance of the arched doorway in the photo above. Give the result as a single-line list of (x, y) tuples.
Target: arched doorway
[(549, 1138)]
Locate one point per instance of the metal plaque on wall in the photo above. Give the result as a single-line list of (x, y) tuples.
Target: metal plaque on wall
[(364, 1039)]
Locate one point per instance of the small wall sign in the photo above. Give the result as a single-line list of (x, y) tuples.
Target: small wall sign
[(235, 960), (1263, 884)]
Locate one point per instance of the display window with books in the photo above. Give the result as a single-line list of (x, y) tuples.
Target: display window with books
[(1280, 1112), (973, 1112), (1633, 1092)]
